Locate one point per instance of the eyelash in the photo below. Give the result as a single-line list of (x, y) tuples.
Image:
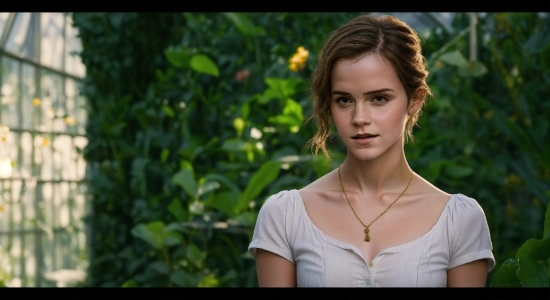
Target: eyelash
[(384, 99)]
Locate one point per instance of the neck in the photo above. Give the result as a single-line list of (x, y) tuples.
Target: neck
[(370, 178)]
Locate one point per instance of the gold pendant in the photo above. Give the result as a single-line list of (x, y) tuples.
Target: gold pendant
[(367, 236)]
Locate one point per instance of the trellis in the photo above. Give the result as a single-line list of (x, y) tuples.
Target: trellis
[(42, 131)]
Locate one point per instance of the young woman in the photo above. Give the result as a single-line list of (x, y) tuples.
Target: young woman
[(372, 221)]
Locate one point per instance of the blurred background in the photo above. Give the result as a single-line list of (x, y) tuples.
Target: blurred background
[(136, 149)]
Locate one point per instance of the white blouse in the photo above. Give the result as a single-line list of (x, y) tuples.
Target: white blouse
[(460, 235)]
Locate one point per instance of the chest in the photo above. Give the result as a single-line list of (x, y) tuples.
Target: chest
[(384, 228), (322, 261)]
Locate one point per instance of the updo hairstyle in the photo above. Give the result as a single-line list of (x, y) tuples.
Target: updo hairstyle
[(386, 36)]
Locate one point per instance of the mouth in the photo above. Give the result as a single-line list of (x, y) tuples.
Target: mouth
[(364, 136)]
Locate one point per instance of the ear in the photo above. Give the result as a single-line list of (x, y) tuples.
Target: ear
[(416, 101)]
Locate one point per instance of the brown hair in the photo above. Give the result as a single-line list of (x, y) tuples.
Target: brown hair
[(387, 36)]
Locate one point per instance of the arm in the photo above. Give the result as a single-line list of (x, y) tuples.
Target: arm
[(274, 271), (473, 274)]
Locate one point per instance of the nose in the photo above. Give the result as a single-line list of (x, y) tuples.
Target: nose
[(361, 115)]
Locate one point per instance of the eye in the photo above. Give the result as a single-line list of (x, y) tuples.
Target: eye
[(343, 100), (380, 99)]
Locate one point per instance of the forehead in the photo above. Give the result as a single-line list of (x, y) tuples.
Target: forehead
[(369, 71)]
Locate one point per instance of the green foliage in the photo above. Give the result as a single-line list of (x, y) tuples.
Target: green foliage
[(531, 267), (195, 119)]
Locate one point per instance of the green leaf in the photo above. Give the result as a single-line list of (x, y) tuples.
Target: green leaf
[(186, 165), (472, 69), (172, 239), (434, 169), (207, 186), (505, 276), (129, 283), (168, 111), (293, 109), (177, 210), (264, 176), (242, 22), (223, 179), (230, 275), (203, 64), (159, 267), (454, 58), (156, 226), (183, 279), (226, 202), (456, 171), (143, 232), (195, 255), (209, 281), (235, 145), (533, 273), (164, 155), (186, 179), (178, 57), (246, 219), (321, 165), (245, 110), (546, 233), (534, 249), (284, 88)]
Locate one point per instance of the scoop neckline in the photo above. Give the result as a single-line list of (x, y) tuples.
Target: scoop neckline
[(393, 249)]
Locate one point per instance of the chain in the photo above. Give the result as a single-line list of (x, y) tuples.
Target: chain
[(367, 235)]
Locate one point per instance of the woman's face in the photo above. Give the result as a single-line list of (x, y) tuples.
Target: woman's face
[(368, 105)]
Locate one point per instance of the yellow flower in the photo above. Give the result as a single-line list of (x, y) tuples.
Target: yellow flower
[(4, 138), (45, 142), (69, 121), (2, 208), (36, 102), (302, 53), (298, 61), (294, 67)]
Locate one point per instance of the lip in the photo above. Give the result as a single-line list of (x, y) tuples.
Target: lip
[(363, 139)]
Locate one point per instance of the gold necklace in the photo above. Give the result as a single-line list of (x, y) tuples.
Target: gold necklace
[(367, 236)]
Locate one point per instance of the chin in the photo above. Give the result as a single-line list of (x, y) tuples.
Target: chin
[(364, 154), (372, 153)]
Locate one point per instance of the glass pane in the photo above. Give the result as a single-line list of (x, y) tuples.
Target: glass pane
[(79, 144), (19, 32), (51, 37), (81, 115), (63, 161), (73, 62), (3, 20), (29, 105), (52, 102), (71, 120), (30, 46), (24, 165), (10, 92)]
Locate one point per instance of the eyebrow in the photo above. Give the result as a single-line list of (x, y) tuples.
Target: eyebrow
[(367, 93)]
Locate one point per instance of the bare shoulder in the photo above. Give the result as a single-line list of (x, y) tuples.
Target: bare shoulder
[(430, 191), (322, 188)]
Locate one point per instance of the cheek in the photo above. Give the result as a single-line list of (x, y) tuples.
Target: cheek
[(392, 117)]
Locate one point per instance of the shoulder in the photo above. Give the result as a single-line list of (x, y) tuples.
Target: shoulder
[(273, 230), (468, 231), (279, 201), (277, 207), (465, 207)]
